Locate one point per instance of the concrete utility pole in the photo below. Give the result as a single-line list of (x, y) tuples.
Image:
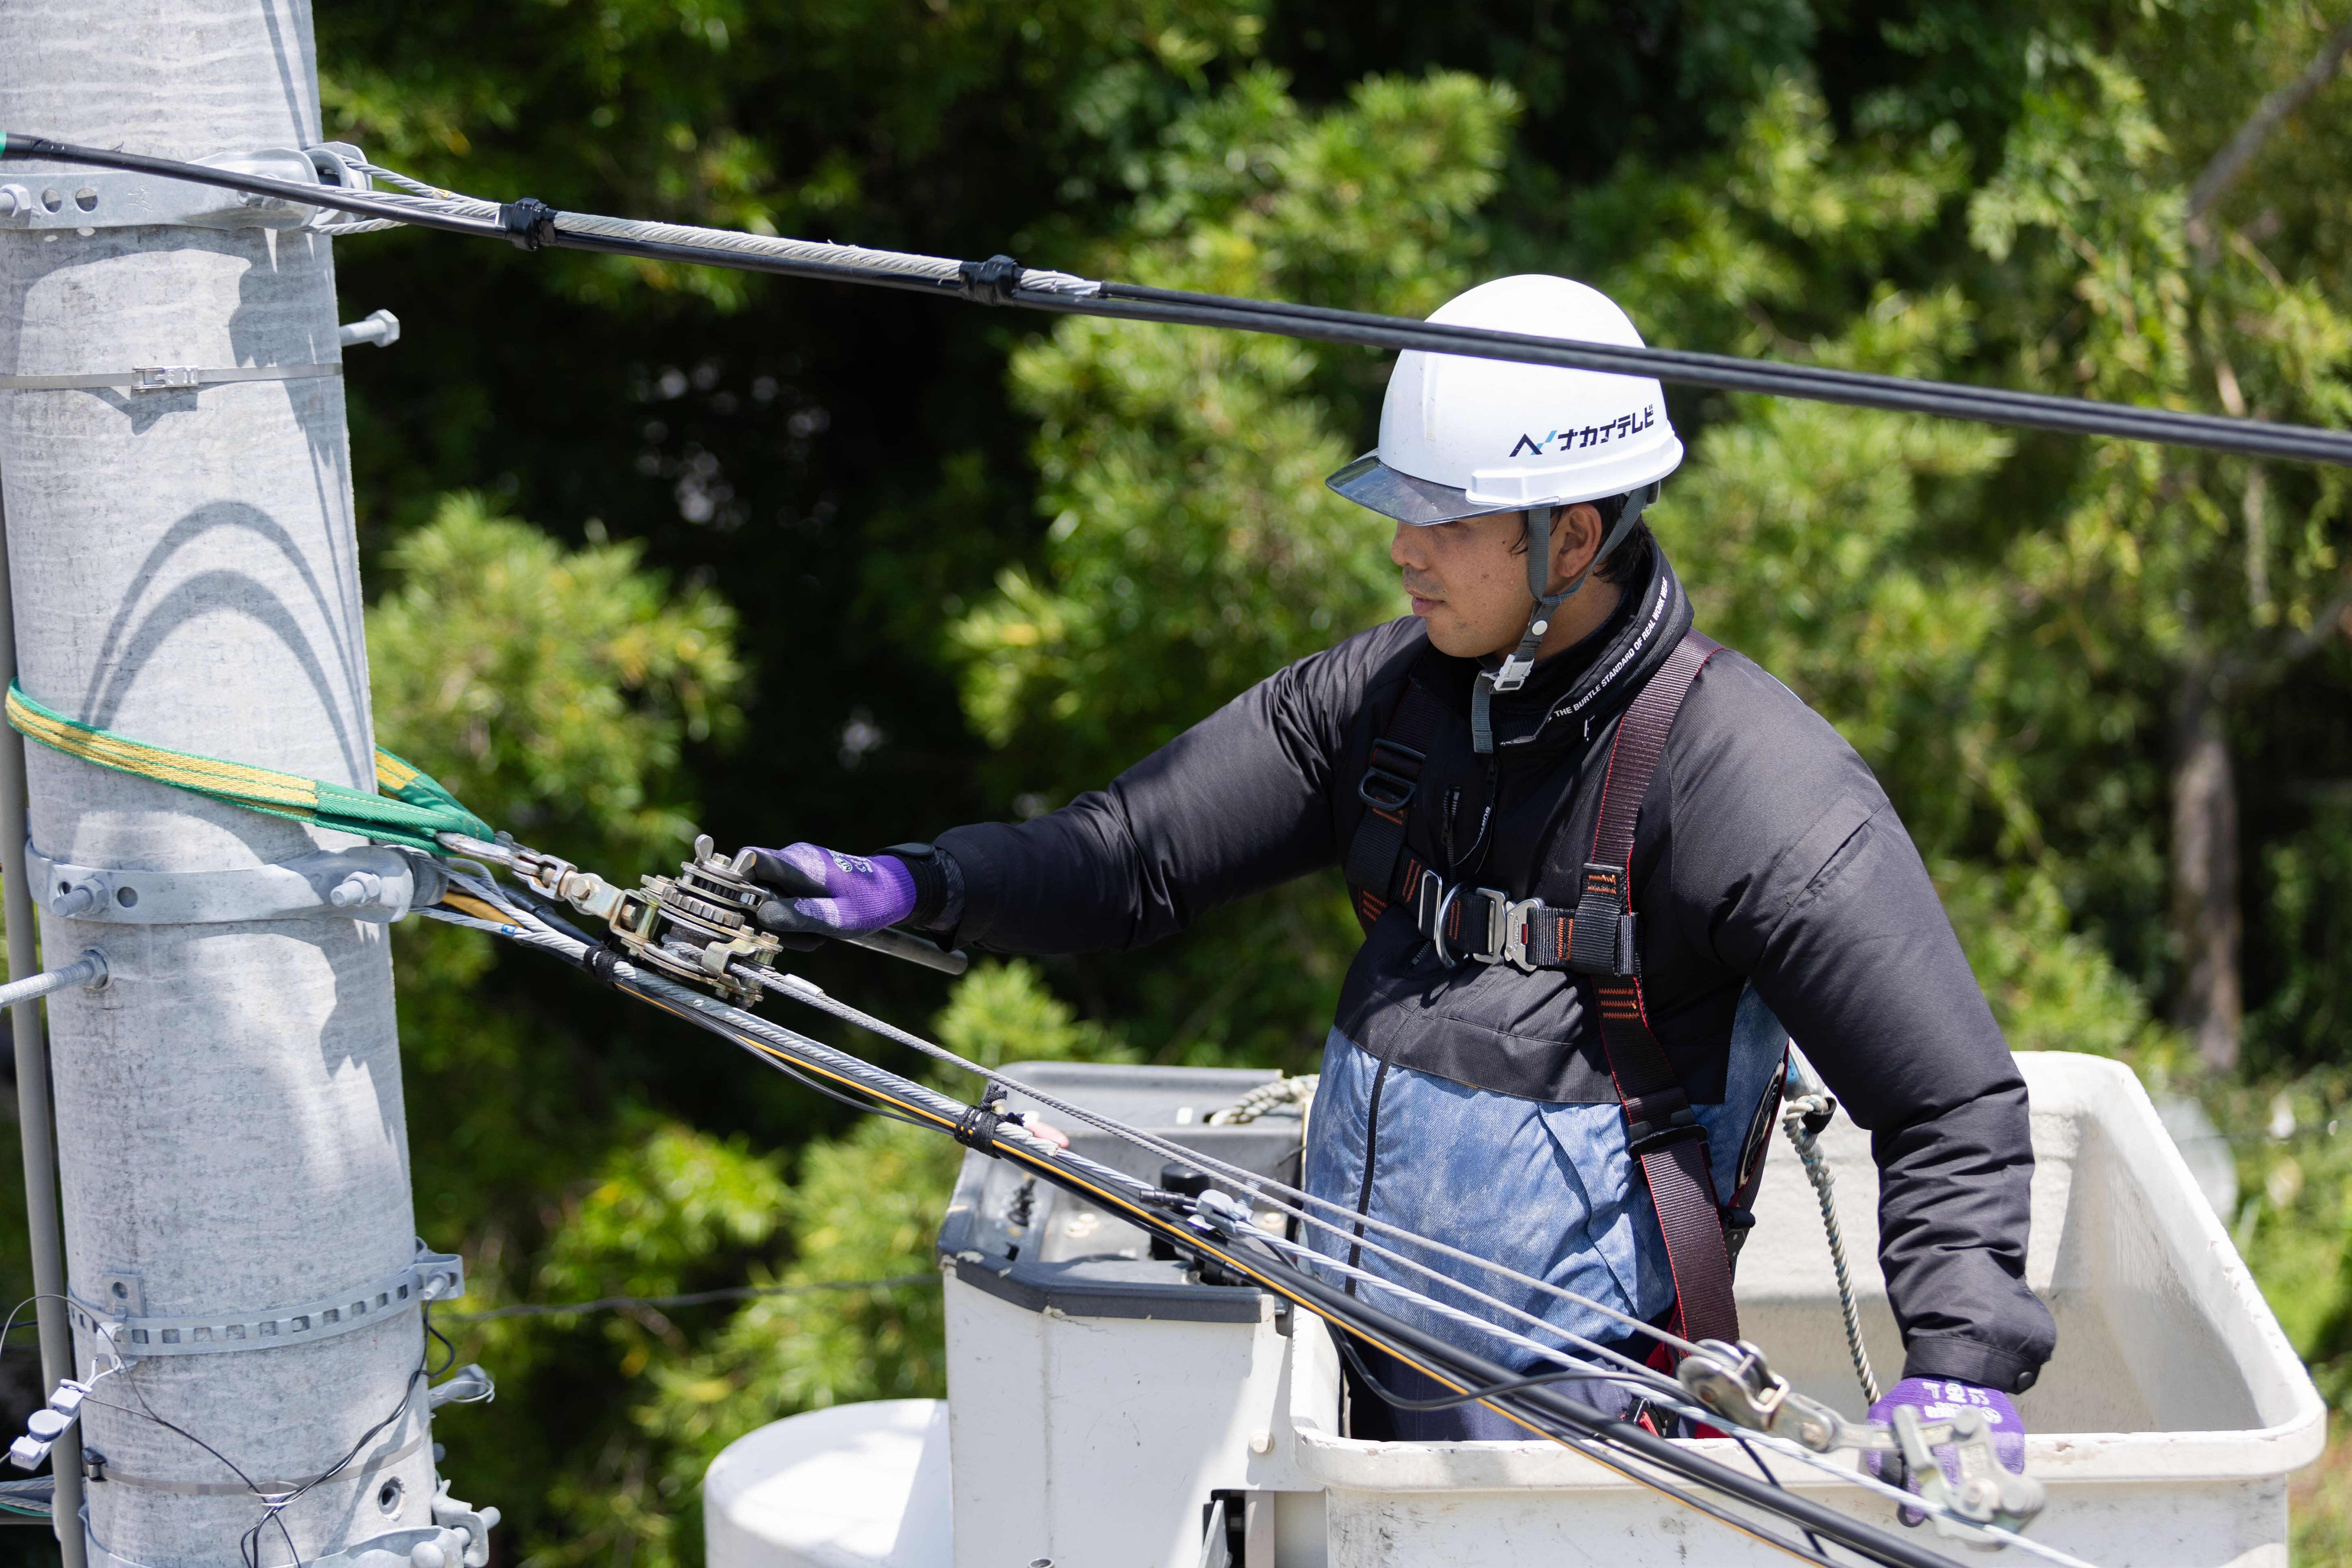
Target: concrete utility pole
[(232, 1143)]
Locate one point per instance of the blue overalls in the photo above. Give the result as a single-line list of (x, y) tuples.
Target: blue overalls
[(1549, 1191)]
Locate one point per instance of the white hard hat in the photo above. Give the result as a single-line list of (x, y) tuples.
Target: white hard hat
[(1462, 437)]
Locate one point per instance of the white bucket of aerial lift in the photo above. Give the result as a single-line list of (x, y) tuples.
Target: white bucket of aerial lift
[(2164, 1430), (1461, 436)]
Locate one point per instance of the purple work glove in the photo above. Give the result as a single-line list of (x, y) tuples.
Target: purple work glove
[(830, 891), (1936, 1399)]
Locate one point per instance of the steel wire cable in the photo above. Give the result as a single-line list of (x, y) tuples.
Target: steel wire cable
[(1289, 1199), (734, 1023), (533, 225), (1137, 1200), (1647, 1376)]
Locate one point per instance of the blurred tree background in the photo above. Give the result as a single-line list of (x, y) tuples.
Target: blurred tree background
[(658, 549)]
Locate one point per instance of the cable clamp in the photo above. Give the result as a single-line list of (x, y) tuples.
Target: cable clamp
[(1987, 1492), (122, 1324), (529, 223), (976, 1128), (86, 200), (989, 282), (377, 883)]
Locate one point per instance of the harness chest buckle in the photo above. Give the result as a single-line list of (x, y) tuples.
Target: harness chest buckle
[(1486, 911), (1514, 944), (1463, 922)]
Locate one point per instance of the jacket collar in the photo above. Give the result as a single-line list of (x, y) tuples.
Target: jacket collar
[(1575, 691)]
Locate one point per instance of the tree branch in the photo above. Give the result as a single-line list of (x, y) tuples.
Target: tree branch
[(2231, 160), (2236, 674), (2314, 637)]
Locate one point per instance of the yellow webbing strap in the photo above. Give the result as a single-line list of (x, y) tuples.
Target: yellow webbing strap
[(413, 809)]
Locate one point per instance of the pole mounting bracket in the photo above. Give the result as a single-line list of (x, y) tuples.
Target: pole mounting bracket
[(90, 199), (376, 883)]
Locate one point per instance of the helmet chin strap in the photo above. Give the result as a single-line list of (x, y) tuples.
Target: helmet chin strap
[(1522, 662)]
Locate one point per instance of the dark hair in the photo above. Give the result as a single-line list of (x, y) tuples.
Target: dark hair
[(1630, 559)]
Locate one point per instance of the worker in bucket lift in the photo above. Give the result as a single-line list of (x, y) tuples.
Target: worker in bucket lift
[(1603, 869)]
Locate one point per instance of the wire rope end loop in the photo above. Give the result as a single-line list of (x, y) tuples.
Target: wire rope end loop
[(989, 283), (528, 223)]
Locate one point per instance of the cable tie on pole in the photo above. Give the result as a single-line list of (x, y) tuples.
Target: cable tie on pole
[(989, 282), (529, 223)]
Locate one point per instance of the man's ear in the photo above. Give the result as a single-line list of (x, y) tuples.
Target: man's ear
[(1576, 534)]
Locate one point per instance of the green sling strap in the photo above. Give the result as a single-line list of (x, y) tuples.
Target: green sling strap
[(411, 811)]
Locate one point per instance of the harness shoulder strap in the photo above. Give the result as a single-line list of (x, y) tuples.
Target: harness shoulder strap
[(1661, 1130), (1379, 863)]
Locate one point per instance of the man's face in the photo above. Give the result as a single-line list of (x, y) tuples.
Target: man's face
[(1468, 580)]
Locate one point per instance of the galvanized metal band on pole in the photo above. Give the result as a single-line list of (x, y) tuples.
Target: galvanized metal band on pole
[(166, 378), (100, 1470), (428, 1277)]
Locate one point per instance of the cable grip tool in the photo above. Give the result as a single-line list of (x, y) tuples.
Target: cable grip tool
[(706, 926)]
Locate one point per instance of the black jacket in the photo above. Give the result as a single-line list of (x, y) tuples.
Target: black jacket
[(1766, 854)]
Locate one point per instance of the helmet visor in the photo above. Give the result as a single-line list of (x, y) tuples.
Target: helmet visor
[(1369, 482)]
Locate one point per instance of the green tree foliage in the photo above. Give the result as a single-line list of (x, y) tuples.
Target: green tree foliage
[(552, 689)]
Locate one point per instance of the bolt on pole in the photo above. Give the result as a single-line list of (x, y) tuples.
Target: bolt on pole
[(229, 1122)]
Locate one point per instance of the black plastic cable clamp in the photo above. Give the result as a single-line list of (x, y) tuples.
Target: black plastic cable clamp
[(976, 1128), (989, 282), (603, 963), (529, 223)]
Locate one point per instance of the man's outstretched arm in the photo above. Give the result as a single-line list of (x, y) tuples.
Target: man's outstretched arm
[(1237, 804)]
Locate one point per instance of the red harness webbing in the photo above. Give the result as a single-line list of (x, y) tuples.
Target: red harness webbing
[(1661, 1128)]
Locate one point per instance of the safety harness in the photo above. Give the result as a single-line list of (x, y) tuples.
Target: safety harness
[(1596, 939)]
